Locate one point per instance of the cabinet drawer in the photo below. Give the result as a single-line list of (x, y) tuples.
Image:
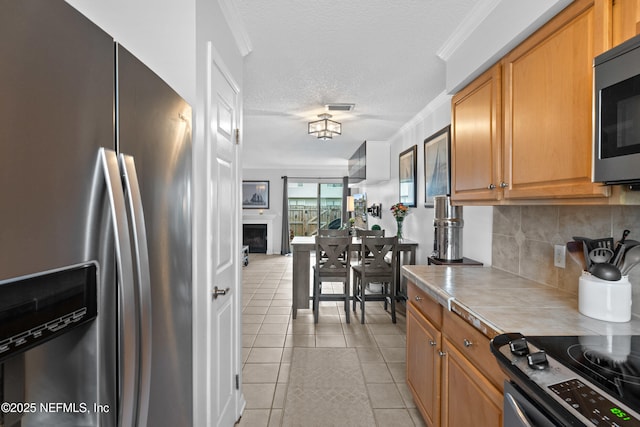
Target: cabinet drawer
[(429, 307), (474, 345)]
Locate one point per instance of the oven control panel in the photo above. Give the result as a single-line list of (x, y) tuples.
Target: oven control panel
[(581, 398), (599, 409)]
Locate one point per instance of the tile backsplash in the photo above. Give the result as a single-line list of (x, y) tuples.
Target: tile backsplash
[(524, 238)]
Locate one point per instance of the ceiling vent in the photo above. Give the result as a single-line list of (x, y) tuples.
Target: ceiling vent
[(340, 107)]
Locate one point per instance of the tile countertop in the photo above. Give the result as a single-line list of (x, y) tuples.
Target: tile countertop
[(509, 303)]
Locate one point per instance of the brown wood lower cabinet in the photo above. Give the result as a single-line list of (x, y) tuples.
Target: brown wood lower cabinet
[(468, 398), (451, 373), (423, 364)]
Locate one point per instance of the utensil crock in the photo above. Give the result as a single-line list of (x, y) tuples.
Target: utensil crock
[(604, 299)]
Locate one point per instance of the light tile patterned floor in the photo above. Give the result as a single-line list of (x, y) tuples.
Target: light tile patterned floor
[(269, 335)]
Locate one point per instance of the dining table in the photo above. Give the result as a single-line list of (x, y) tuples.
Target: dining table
[(303, 246)]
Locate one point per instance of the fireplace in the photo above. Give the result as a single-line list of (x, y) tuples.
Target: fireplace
[(255, 236)]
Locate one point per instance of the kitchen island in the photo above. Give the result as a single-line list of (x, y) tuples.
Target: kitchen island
[(453, 312)]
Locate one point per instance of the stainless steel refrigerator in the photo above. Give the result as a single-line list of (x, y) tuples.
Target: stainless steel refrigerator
[(95, 228)]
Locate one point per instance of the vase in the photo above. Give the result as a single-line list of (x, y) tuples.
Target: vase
[(399, 221)]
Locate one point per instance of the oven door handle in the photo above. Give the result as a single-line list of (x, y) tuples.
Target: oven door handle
[(517, 415)]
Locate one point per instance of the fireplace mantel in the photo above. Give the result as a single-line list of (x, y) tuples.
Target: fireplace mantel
[(262, 219)]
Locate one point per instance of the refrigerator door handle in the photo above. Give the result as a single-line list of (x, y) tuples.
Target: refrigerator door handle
[(128, 328), (141, 260)]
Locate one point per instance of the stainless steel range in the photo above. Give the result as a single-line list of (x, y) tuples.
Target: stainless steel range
[(570, 380)]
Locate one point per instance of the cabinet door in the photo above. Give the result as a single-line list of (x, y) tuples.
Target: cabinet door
[(423, 365), (469, 399), (476, 140), (548, 85), (625, 20)]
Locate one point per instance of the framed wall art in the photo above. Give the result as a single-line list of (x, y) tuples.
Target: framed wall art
[(255, 194), (437, 161), (407, 176)]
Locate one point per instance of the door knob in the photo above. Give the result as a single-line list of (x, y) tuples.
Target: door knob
[(503, 185), (491, 186), (217, 292)]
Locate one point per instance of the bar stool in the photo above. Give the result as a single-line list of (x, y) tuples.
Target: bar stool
[(368, 233), (333, 232), (376, 269), (334, 267)]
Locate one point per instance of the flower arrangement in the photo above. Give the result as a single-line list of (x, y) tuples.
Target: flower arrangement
[(399, 210)]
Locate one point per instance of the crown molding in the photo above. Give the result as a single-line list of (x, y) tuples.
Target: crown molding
[(443, 98), (479, 13), (238, 30)]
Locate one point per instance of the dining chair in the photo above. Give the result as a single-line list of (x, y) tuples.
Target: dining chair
[(333, 232), (376, 269), (334, 267)]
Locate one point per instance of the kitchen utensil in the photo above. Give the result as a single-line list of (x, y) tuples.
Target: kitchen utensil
[(576, 252), (599, 255), (585, 254), (605, 271), (631, 259), (586, 240), (618, 254), (619, 250), (604, 242)]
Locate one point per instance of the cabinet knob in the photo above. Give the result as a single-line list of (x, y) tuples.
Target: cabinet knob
[(432, 343), (491, 187), (441, 353), (503, 185), (418, 298), (467, 343)]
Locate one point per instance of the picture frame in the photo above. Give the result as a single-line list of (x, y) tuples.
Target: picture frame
[(255, 194), (408, 166), (437, 165)]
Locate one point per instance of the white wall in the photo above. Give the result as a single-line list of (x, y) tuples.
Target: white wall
[(160, 33), (418, 226), (274, 176), (489, 32)]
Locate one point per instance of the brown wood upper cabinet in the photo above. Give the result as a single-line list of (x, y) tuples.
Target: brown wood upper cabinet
[(540, 98), (624, 16), (476, 138)]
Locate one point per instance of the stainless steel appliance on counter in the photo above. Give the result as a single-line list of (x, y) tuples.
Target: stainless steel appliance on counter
[(448, 224), (95, 234), (570, 380)]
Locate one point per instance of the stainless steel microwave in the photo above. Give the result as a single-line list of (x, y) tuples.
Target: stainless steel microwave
[(616, 156)]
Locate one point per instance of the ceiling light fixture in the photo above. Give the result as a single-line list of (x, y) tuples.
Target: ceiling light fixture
[(325, 128)]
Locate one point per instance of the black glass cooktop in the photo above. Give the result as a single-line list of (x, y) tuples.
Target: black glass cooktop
[(610, 362)]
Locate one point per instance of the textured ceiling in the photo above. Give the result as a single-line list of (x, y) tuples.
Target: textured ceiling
[(377, 54)]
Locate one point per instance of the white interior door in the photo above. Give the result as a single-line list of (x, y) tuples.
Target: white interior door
[(223, 245)]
